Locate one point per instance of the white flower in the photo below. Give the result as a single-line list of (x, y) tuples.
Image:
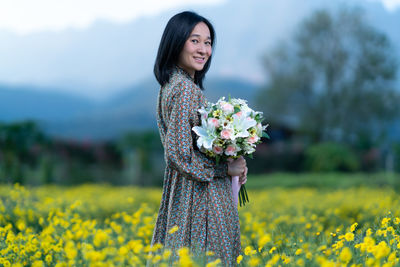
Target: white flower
[(206, 134), (249, 148), (238, 101), (241, 124), (203, 112)]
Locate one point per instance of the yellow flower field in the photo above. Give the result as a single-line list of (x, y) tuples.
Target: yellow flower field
[(100, 225)]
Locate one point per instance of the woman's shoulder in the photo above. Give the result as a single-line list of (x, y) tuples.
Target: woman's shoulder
[(181, 82)]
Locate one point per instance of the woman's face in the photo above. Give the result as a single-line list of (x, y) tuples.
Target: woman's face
[(197, 49)]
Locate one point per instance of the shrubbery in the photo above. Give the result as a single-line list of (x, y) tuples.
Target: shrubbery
[(330, 157)]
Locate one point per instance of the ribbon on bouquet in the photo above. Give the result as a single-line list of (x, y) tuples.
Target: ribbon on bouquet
[(235, 189)]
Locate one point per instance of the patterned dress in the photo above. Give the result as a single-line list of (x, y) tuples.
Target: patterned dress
[(196, 192)]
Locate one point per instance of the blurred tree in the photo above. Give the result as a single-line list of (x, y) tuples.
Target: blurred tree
[(330, 157), (334, 81), (17, 144), (139, 151)]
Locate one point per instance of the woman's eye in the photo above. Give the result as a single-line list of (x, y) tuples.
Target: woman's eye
[(208, 43), (195, 41)]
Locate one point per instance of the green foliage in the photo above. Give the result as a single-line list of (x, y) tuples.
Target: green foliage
[(330, 157), (324, 181), (142, 156), (18, 143)]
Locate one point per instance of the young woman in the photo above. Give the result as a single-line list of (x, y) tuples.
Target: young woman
[(197, 194)]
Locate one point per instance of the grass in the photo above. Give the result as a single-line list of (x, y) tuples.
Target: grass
[(324, 180)]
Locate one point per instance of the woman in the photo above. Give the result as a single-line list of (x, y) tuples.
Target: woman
[(196, 196)]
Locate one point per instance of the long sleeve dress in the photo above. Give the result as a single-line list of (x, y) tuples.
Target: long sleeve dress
[(197, 193)]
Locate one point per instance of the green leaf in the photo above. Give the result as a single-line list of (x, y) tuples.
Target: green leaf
[(245, 191), (264, 134)]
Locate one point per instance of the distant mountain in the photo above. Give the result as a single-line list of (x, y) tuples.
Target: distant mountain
[(25, 102), (66, 116)]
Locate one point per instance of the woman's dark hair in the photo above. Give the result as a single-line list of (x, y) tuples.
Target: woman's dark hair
[(176, 33)]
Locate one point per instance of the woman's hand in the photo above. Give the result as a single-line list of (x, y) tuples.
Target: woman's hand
[(243, 177), (237, 167)]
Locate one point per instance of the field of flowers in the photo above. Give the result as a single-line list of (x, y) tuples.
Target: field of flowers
[(100, 225)]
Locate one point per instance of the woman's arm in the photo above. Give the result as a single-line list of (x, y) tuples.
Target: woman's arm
[(179, 148)]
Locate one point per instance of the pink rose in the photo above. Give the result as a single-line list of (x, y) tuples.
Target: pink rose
[(226, 134), (214, 122), (230, 150), (252, 139), (217, 150), (226, 107)]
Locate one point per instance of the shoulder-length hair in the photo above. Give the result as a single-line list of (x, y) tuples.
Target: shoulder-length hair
[(175, 34)]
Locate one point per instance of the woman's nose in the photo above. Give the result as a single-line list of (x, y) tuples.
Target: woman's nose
[(201, 48)]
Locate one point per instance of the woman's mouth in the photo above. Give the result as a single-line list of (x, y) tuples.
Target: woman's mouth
[(199, 59)]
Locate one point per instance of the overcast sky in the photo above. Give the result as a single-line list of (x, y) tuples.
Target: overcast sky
[(27, 16)]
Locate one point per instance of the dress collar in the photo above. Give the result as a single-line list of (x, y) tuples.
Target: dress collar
[(184, 72)]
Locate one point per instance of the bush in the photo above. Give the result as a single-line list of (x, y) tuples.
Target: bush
[(330, 157)]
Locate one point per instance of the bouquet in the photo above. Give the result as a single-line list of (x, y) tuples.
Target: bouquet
[(230, 129)]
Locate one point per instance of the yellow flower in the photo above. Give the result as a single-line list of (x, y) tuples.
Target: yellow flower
[(38, 255), (392, 256), (249, 251), (369, 232), (298, 251), (70, 250), (285, 259), (213, 263), (185, 261), (274, 259), (217, 113), (210, 253), (183, 251), (100, 238), (264, 240), (166, 254), (37, 264), (239, 259), (349, 236), (254, 261), (123, 251), (48, 259), (300, 262), (345, 255), (385, 222), (21, 225), (382, 250), (353, 227), (156, 259), (173, 229)]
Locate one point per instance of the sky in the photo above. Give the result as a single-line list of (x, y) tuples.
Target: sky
[(27, 16)]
